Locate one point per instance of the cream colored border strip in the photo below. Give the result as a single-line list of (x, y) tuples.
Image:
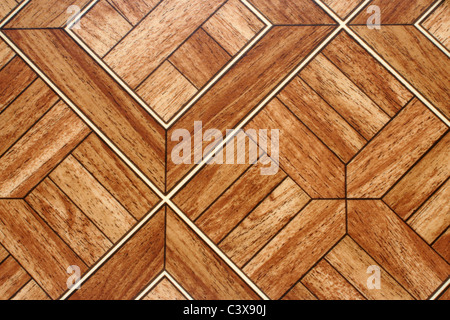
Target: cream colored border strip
[(167, 275), (441, 290), (13, 13)]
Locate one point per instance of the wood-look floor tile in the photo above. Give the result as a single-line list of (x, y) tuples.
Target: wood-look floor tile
[(12, 278), (441, 245), (31, 291), (3, 253), (299, 292), (438, 24), (164, 290), (6, 6), (6, 54), (342, 8), (134, 10)]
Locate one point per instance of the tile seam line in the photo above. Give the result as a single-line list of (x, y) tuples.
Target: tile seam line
[(155, 282)]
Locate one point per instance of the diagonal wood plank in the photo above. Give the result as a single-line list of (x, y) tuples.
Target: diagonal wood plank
[(31, 291), (12, 278), (134, 10), (164, 290)]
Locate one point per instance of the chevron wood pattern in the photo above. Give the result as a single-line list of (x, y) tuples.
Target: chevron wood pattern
[(98, 97)]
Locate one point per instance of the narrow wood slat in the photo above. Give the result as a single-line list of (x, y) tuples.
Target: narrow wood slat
[(387, 157), (68, 221), (6, 6), (111, 109), (244, 86), (302, 156), (164, 290), (40, 150), (352, 262), (342, 8), (441, 245), (423, 179), (134, 10), (344, 96), (264, 222), (288, 256), (6, 54), (92, 198), (114, 175), (438, 24), (160, 33), (36, 247), (416, 58), (299, 292), (31, 291), (445, 295), (12, 278), (402, 253), (3, 253), (327, 284), (23, 113), (131, 268), (201, 272)]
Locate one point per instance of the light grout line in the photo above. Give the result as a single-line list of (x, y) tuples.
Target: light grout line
[(178, 286), (441, 290), (13, 13), (151, 286)]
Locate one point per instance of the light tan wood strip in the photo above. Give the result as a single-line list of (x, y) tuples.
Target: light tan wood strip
[(288, 256), (423, 179), (68, 222), (134, 10), (327, 284), (6, 6), (31, 291), (40, 150), (161, 32), (264, 222), (3, 253), (6, 54), (352, 263), (378, 230), (441, 245), (322, 119), (197, 268), (131, 268), (344, 96), (12, 278), (299, 292), (114, 175), (92, 198), (23, 113), (387, 157), (96, 94), (36, 247), (342, 8), (164, 290), (438, 24)]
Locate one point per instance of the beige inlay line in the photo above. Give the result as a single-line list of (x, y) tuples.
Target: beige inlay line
[(167, 275), (13, 13)]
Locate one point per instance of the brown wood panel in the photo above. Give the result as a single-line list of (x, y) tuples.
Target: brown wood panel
[(342, 8), (92, 198), (289, 255), (111, 109), (197, 268), (387, 157), (6, 6), (45, 14), (3, 253), (416, 58), (102, 27), (6, 54), (166, 91), (233, 26), (54, 136), (264, 222), (200, 58), (423, 179), (327, 284), (247, 83), (302, 155), (114, 175), (14, 78), (36, 247), (299, 292), (160, 33), (441, 245), (31, 291), (23, 113), (402, 253), (352, 262), (68, 222), (438, 24), (134, 10), (344, 96), (164, 290), (396, 11), (12, 278), (131, 268), (322, 119), (292, 12), (367, 73)]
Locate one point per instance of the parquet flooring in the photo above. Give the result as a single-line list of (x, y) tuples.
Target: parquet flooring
[(343, 181)]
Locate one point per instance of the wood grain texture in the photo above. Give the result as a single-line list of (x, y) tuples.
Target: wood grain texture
[(422, 180), (441, 245), (31, 291), (247, 83), (445, 295), (36, 247), (12, 278), (438, 24), (394, 151), (6, 6), (342, 8), (199, 58), (302, 155), (402, 253), (352, 262), (415, 58), (6, 54), (327, 284), (55, 135), (288, 256), (160, 33), (3, 253), (92, 198), (164, 290), (133, 267), (134, 10), (233, 26), (115, 176), (197, 268), (112, 110), (299, 292)]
